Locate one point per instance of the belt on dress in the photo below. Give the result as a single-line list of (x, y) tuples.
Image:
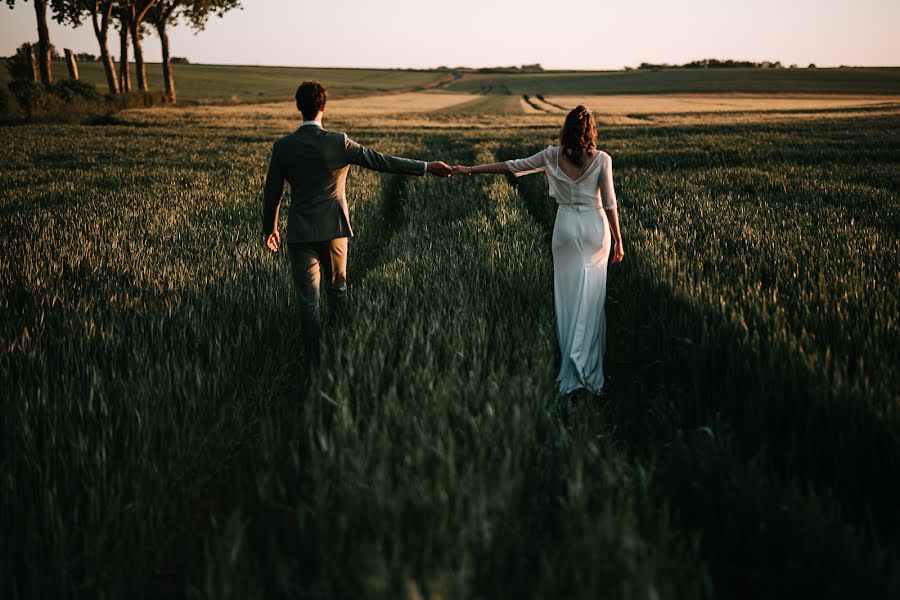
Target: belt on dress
[(579, 208)]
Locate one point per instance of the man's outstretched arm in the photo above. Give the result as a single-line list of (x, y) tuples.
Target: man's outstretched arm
[(376, 161), (271, 202)]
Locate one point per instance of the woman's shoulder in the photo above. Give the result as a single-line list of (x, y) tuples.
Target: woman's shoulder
[(547, 154), (604, 158)]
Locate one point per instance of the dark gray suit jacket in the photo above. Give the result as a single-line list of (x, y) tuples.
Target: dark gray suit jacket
[(315, 163)]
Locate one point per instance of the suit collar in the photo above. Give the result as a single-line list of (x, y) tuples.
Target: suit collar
[(309, 130)]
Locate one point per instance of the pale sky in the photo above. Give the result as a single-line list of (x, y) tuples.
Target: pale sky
[(569, 34)]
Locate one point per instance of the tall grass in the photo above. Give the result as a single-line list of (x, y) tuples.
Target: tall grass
[(159, 437)]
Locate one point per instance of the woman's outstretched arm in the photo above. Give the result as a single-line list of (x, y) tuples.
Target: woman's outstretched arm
[(497, 168), (518, 166)]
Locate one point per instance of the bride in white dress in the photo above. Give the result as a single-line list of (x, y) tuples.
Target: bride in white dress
[(585, 234)]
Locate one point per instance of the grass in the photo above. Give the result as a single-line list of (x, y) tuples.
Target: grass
[(217, 83), (157, 436)]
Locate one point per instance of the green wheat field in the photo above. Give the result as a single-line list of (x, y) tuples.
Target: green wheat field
[(159, 439)]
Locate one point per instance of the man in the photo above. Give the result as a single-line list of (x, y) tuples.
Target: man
[(315, 163)]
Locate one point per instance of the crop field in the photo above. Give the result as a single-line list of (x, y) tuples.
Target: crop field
[(680, 81), (439, 109), (217, 84), (234, 83), (158, 437)]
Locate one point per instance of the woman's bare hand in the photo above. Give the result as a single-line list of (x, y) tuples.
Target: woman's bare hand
[(618, 252), (272, 240)]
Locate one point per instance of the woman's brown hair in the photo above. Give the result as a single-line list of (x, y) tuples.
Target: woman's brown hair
[(578, 133)]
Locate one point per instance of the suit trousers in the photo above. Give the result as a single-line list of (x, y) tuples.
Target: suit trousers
[(311, 263)]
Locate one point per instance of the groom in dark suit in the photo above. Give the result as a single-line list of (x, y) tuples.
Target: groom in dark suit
[(315, 163)]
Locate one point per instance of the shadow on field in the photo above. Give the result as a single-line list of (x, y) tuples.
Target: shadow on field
[(378, 226), (791, 485), (46, 202)]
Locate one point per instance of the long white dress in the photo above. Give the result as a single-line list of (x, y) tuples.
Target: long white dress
[(581, 246)]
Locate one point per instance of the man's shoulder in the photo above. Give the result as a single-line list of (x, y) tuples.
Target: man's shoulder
[(285, 139), (337, 136), (305, 132)]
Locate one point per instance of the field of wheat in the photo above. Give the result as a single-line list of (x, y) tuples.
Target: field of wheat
[(159, 438)]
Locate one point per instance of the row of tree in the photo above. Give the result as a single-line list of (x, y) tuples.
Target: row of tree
[(535, 68), (133, 17), (713, 63), (85, 56)]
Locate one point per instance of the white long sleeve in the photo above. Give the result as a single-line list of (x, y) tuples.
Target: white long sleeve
[(526, 166), (606, 188)]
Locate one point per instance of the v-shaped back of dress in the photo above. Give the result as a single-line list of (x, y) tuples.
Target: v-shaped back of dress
[(584, 173), (593, 188)]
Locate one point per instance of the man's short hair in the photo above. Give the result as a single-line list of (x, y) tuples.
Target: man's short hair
[(311, 97)]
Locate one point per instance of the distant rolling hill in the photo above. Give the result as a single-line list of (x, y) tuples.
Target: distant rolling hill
[(217, 83)]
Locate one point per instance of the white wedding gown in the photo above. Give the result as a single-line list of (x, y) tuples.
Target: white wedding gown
[(581, 246)]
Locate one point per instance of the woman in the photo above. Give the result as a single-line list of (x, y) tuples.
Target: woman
[(586, 229)]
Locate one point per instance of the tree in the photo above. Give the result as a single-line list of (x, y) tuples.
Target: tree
[(196, 12), (43, 46), (21, 64), (123, 16), (72, 12), (137, 12)]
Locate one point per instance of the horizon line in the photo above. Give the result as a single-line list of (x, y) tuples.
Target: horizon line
[(461, 67)]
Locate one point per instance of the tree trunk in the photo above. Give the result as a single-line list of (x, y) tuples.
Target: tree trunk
[(168, 79), (124, 73), (109, 67), (140, 70), (29, 53), (73, 64), (43, 58)]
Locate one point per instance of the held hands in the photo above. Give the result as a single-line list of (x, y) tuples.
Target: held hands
[(439, 168), (272, 240)]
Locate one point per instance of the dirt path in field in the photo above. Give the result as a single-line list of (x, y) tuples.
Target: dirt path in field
[(498, 109), (529, 106), (540, 105)]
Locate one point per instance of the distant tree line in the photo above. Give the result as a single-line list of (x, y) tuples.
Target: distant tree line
[(535, 68), (132, 19), (714, 63), (80, 56)]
